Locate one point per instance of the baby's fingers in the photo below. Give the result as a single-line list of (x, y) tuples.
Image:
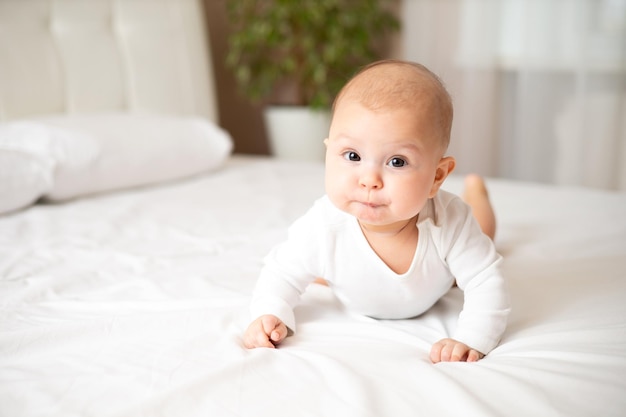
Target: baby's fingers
[(256, 339), (450, 350), (278, 334), (446, 350), (274, 329), (474, 356), (436, 351), (458, 352), (255, 336)]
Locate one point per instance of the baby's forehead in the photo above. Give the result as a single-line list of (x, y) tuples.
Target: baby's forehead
[(402, 86), (394, 86)]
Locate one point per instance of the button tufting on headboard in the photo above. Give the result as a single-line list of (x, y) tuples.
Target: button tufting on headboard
[(70, 56)]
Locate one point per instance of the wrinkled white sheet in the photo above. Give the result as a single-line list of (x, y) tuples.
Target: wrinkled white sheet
[(133, 304)]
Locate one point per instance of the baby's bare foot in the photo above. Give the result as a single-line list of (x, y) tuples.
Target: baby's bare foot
[(477, 197), (320, 281), (475, 188)]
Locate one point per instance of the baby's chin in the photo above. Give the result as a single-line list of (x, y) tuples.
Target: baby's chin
[(375, 216)]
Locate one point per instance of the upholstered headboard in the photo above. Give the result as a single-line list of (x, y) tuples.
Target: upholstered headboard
[(76, 56)]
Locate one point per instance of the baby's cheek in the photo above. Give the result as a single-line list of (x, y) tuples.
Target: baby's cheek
[(336, 194)]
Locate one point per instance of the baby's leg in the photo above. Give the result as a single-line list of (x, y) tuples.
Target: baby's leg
[(476, 196)]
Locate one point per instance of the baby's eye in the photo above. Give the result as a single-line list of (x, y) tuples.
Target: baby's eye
[(396, 162), (352, 156)]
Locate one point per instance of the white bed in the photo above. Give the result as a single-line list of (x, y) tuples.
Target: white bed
[(132, 302)]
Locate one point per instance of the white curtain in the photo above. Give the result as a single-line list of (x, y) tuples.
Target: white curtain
[(539, 86)]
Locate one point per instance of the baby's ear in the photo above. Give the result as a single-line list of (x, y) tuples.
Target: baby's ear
[(444, 168)]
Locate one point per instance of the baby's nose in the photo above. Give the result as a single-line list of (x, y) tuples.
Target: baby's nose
[(371, 179)]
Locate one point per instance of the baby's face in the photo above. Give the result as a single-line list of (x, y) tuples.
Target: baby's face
[(381, 166)]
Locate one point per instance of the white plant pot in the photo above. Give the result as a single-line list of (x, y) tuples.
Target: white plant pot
[(297, 132)]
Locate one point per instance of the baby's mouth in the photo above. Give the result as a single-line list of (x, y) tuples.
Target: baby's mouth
[(370, 204)]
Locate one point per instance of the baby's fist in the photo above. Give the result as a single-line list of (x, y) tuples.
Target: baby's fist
[(266, 331), (450, 350)]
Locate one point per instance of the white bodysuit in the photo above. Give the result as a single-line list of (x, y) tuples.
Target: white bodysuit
[(329, 243)]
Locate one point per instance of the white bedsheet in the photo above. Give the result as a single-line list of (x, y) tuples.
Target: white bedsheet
[(133, 304)]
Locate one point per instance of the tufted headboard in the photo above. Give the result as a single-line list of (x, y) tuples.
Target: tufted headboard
[(75, 56)]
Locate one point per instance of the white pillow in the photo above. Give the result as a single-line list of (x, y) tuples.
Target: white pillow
[(23, 179), (136, 150), (29, 154)]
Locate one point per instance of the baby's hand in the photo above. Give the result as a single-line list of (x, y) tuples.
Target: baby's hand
[(450, 350), (266, 331)]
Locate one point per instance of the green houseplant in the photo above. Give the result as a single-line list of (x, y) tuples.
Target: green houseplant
[(301, 52)]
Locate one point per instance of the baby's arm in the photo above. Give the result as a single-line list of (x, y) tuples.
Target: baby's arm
[(450, 350), (474, 262), (266, 331)]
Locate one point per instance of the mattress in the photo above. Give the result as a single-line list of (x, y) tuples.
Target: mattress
[(133, 303)]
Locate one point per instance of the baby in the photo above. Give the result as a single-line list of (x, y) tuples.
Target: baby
[(385, 238)]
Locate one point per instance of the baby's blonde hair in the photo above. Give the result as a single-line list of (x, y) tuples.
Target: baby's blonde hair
[(393, 84)]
